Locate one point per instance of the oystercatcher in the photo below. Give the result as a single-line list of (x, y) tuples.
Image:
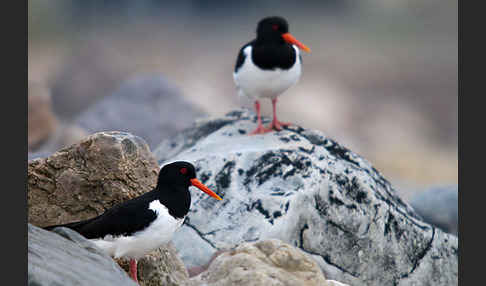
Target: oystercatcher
[(140, 225), (268, 65)]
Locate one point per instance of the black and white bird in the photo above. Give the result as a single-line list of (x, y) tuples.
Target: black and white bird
[(268, 66), (140, 225)]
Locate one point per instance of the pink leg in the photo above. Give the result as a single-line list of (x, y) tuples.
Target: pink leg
[(133, 269), (277, 125), (260, 129)]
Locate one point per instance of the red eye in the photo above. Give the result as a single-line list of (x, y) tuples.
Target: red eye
[(183, 171), (275, 27)]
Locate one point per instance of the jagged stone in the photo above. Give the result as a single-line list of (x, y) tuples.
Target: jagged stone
[(304, 188)]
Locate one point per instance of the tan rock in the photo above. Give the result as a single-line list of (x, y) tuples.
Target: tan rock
[(83, 180), (41, 121), (160, 267), (267, 263)]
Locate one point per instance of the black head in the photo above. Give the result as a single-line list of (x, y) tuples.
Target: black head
[(275, 30), (178, 173), (182, 174), (272, 27)]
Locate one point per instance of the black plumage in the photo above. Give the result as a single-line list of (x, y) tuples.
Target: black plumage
[(134, 215)]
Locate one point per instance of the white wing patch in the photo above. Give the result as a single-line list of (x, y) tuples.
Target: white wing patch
[(158, 233)]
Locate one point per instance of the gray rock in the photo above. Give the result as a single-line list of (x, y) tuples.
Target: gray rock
[(67, 258), (149, 107), (305, 189), (438, 206)]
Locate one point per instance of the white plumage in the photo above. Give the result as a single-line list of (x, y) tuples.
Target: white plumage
[(158, 233), (256, 83)]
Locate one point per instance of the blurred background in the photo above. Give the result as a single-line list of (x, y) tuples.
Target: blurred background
[(382, 78)]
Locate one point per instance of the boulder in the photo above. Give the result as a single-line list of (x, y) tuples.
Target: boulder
[(262, 263), (438, 206), (83, 180), (64, 257), (160, 267), (146, 106), (304, 188)]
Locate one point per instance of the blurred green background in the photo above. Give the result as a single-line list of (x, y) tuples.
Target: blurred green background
[(382, 78)]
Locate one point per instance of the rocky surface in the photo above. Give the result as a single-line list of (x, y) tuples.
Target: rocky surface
[(41, 121), (83, 180), (146, 106), (264, 263), (439, 206), (63, 257), (305, 189), (160, 267)]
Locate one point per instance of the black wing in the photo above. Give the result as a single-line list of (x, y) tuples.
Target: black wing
[(123, 219), (241, 57)]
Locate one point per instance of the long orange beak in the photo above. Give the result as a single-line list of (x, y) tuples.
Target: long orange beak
[(196, 183), (291, 40)]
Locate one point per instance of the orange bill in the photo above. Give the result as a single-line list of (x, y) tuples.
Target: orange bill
[(291, 40), (196, 183)]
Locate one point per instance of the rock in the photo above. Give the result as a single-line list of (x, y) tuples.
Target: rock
[(438, 206), (149, 107), (64, 257), (264, 263), (303, 188), (85, 179), (160, 267), (41, 121)]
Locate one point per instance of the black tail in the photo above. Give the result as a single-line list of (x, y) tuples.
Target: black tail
[(72, 225)]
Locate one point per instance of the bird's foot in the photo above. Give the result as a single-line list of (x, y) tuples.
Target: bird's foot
[(277, 125), (260, 130)]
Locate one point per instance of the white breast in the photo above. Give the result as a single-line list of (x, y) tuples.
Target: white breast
[(255, 82), (158, 233)]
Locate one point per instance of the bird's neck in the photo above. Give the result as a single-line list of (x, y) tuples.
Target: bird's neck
[(177, 201), (270, 40)]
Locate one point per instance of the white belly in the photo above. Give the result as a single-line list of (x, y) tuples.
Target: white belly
[(256, 83), (142, 242)]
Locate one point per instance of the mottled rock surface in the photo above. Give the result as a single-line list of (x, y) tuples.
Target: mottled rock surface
[(83, 180), (302, 187), (439, 206), (63, 257), (264, 263), (160, 267), (146, 106)]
